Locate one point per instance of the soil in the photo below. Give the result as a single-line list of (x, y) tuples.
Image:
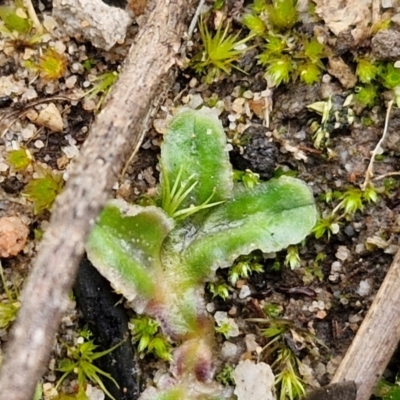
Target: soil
[(331, 289)]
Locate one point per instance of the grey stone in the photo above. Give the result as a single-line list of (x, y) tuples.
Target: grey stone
[(92, 21)]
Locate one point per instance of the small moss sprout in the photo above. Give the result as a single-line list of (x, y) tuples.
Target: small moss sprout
[(20, 25), (350, 201), (43, 190), (249, 178), (292, 257), (219, 289), (50, 65), (220, 52), (147, 335), (286, 364), (282, 14), (243, 267), (102, 85), (366, 70), (15, 19), (19, 159)]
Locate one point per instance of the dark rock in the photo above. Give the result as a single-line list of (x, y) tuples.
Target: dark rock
[(259, 154), (12, 185), (293, 103), (345, 42), (9, 68), (384, 45)]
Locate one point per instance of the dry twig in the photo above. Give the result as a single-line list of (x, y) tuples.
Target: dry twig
[(376, 339)]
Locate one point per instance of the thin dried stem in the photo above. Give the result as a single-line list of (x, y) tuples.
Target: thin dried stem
[(370, 170), (388, 174), (33, 16)]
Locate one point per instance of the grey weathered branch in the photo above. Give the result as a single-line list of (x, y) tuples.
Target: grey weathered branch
[(377, 338), (111, 138)]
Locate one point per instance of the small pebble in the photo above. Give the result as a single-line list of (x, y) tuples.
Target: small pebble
[(51, 118), (233, 311), (251, 344), (71, 151), (72, 48), (13, 236), (254, 381), (349, 231), (193, 83), (360, 248), (93, 393), (210, 307), (354, 318), (28, 132), (321, 314), (71, 81), (237, 105), (316, 305), (38, 144), (392, 249), (195, 101), (88, 104), (344, 301), (342, 254), (364, 288), (387, 3), (77, 67), (62, 162), (50, 88), (248, 94), (229, 350), (29, 94), (49, 391), (336, 266), (244, 292)]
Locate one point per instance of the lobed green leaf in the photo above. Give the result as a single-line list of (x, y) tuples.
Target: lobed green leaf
[(125, 246), (194, 151), (272, 216)]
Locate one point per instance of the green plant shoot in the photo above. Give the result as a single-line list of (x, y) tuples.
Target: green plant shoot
[(80, 362), (220, 52), (101, 86), (146, 333), (161, 261), (19, 159), (18, 22), (15, 19), (282, 14), (43, 191)]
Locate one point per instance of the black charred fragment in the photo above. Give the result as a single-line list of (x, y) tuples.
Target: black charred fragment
[(108, 322)]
